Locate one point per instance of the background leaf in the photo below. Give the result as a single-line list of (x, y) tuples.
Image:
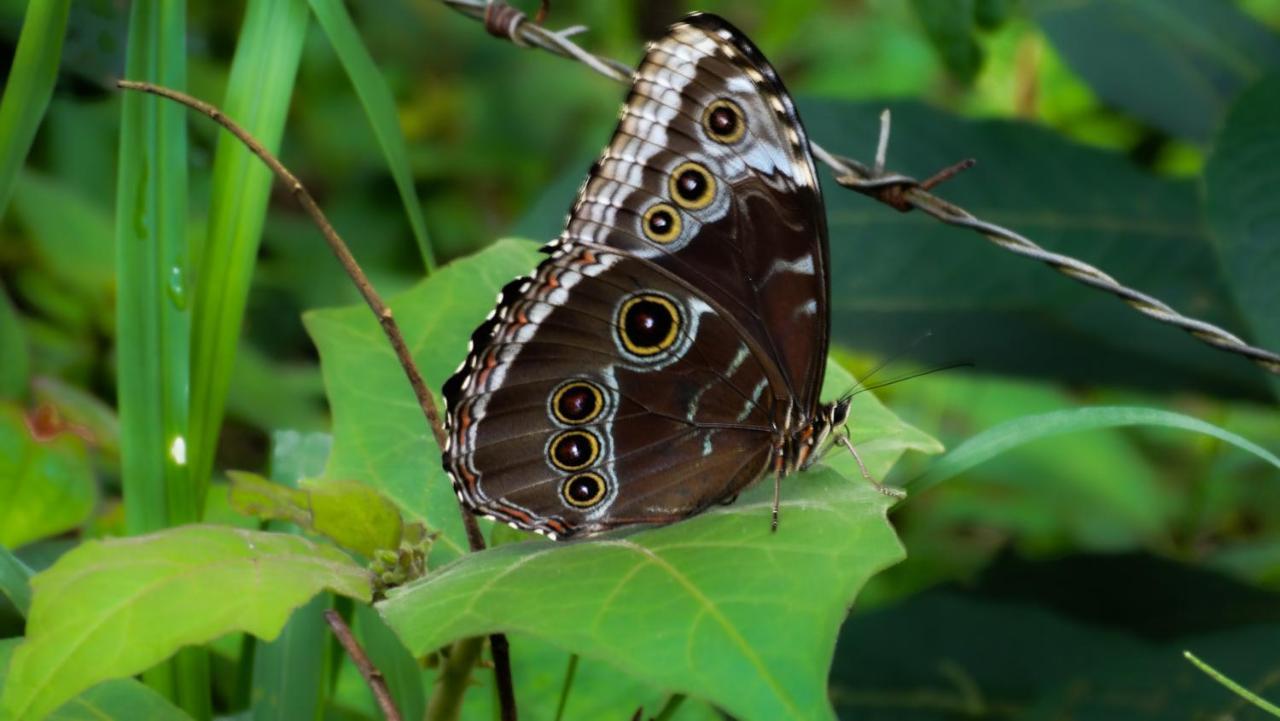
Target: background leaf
[(15, 360), (1240, 181), (1175, 64), (46, 484), (110, 609)]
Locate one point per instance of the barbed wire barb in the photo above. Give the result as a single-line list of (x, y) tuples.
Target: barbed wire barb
[(899, 191)]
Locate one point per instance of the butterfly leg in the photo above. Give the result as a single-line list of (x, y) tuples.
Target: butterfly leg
[(843, 438)]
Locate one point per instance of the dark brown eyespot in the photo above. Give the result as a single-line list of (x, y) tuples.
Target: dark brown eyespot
[(661, 223), (692, 186), (574, 450), (724, 121), (584, 490), (577, 402), (648, 324)]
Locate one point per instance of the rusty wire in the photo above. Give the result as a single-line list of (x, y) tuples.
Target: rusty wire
[(894, 189)]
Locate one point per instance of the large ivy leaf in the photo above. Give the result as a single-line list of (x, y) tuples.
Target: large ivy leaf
[(1244, 213), (111, 609), (717, 606), (1176, 64), (379, 435), (46, 484), (715, 585), (895, 276)]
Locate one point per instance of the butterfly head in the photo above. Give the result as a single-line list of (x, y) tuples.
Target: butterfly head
[(829, 419)]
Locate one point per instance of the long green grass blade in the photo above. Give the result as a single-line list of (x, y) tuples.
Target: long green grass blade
[(258, 93), (152, 317), (1007, 436), (379, 107), (30, 86), (1241, 691)]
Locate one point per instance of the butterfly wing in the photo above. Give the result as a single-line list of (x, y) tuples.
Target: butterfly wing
[(648, 368), (597, 393), (710, 175)]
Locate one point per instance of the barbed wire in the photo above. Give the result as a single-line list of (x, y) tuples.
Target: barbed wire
[(896, 190)]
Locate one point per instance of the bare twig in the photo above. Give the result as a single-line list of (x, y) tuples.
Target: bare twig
[(371, 674), (894, 189), (426, 401)]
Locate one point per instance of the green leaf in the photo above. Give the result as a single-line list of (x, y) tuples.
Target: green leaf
[(1244, 212), (351, 514), (15, 360), (379, 435), (833, 532), (1176, 64), (15, 581), (29, 87), (92, 418), (1007, 436), (122, 699), (73, 234), (380, 109), (46, 484), (694, 607), (1050, 663), (951, 26), (895, 276), (110, 609)]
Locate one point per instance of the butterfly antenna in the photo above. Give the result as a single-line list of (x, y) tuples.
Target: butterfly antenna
[(897, 355), (950, 366)]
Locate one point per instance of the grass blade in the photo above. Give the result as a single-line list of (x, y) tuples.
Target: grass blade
[(258, 93), (1007, 436), (30, 86), (152, 318), (1240, 691), (379, 107)]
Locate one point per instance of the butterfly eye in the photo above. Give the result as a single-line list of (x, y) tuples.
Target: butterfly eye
[(692, 186), (661, 223), (584, 490), (574, 450), (648, 324), (577, 402), (723, 121)]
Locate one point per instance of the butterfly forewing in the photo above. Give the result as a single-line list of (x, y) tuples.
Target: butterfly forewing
[(747, 224)]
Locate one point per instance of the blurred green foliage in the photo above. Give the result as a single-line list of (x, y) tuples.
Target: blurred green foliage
[(1140, 135)]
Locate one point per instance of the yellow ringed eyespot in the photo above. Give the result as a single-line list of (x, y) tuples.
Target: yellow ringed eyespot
[(648, 324), (574, 450), (692, 186), (584, 490), (577, 402), (661, 223), (723, 121)]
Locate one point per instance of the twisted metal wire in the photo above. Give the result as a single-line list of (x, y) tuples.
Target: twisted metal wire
[(894, 189)]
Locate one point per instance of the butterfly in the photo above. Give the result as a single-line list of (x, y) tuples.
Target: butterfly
[(671, 349)]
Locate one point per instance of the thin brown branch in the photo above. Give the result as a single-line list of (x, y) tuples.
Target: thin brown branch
[(368, 671), (894, 189), (426, 401)]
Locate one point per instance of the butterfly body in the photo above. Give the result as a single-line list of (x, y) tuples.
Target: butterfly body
[(671, 349)]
